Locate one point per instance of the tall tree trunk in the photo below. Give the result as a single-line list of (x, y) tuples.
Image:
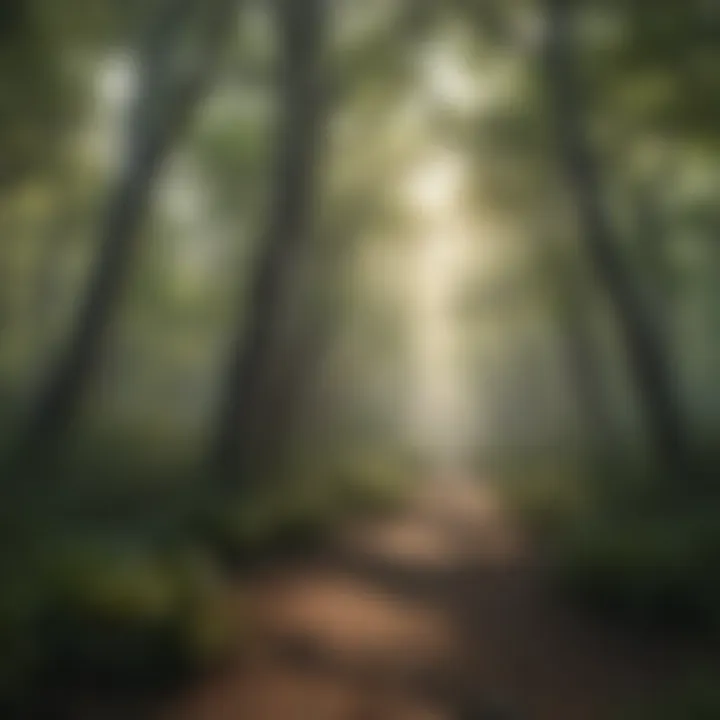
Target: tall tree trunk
[(651, 240), (168, 95), (255, 361), (578, 345), (287, 406), (646, 355)]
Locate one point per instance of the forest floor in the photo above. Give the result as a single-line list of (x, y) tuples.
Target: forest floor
[(440, 613)]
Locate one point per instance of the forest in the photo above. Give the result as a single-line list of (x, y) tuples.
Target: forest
[(359, 359)]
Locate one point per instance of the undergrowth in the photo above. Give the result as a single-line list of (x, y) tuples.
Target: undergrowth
[(124, 587), (626, 543)]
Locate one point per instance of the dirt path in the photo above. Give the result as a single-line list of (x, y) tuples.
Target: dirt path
[(441, 614)]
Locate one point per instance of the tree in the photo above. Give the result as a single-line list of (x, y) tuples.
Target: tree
[(256, 361), (646, 354), (170, 90)]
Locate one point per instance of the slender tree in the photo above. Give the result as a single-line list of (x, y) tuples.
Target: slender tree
[(579, 345), (646, 354), (257, 361), (170, 90)]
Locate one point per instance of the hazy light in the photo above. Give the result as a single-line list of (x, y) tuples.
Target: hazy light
[(448, 79), (101, 137), (117, 81), (437, 409), (434, 187)]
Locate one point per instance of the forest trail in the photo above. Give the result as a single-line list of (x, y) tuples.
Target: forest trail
[(441, 613)]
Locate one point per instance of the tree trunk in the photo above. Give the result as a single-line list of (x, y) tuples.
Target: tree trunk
[(648, 363), (255, 363), (651, 239), (578, 345), (166, 100)]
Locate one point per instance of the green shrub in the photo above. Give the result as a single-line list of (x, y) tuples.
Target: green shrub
[(21, 606), (131, 616), (370, 487), (625, 542), (302, 519), (653, 571), (697, 698), (121, 618), (252, 529), (549, 504)]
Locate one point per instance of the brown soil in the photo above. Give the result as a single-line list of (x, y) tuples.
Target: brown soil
[(442, 613)]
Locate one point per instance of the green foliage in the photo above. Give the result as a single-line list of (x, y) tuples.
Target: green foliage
[(548, 498), (251, 529), (30, 89), (652, 571), (20, 610), (372, 487), (661, 69), (42, 91), (232, 152), (132, 615), (104, 585), (696, 698), (110, 616), (622, 547), (297, 515)]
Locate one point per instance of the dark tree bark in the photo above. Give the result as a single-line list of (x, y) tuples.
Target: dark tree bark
[(256, 362), (168, 96), (578, 346), (646, 354), (651, 241)]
